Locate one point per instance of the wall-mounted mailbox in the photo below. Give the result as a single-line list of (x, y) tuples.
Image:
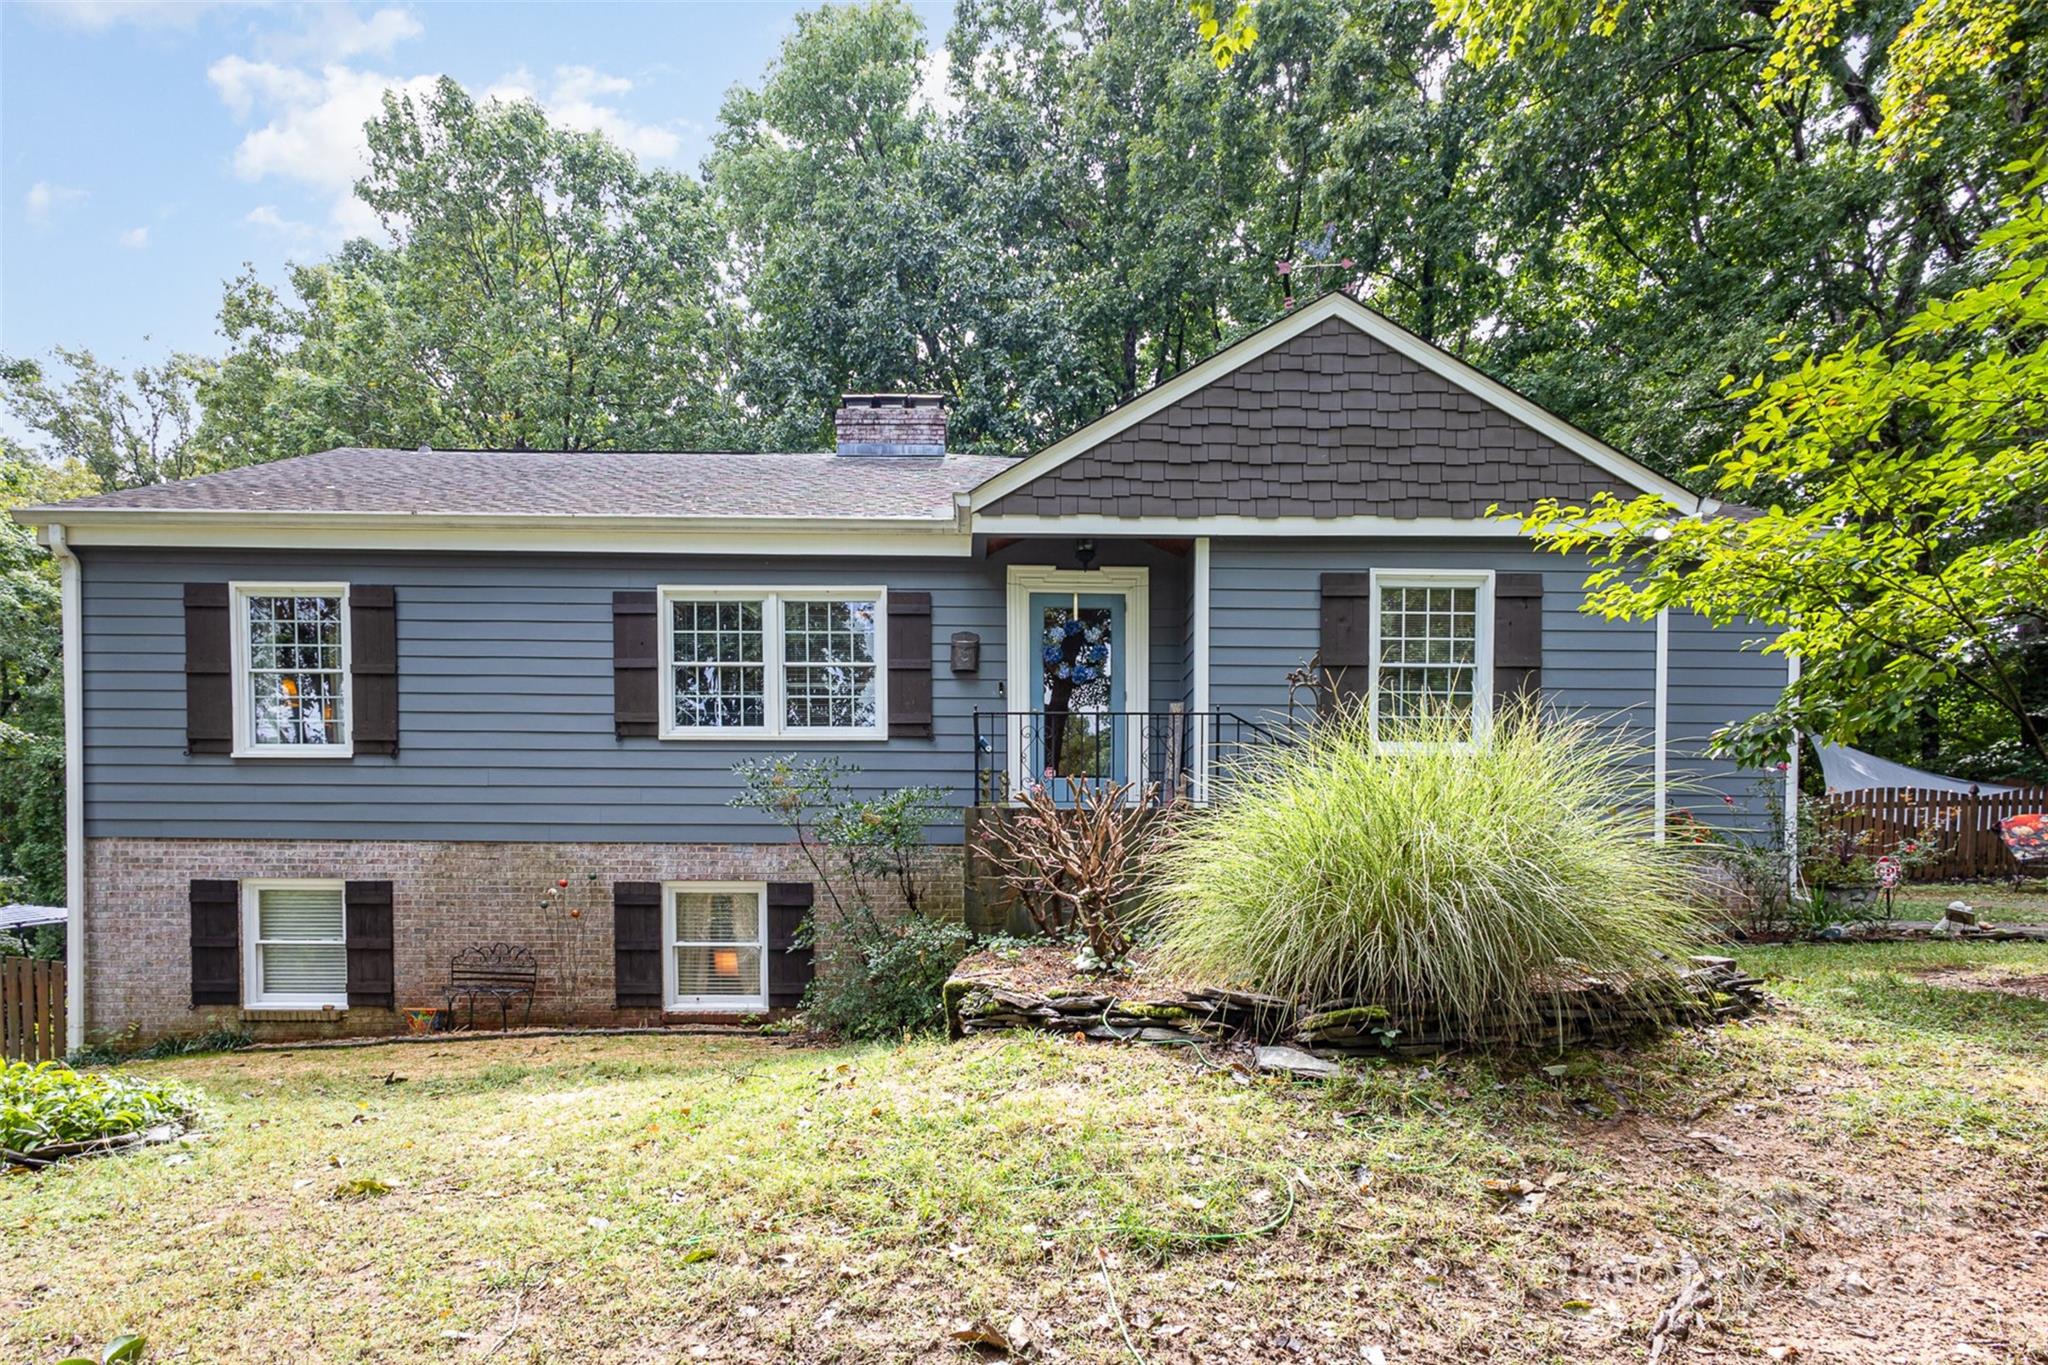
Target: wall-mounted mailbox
[(966, 652)]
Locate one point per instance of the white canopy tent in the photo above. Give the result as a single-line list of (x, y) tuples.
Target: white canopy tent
[(1849, 770)]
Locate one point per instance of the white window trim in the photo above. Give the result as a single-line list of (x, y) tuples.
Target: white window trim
[(669, 943), (772, 645), (238, 641), (1135, 586), (1482, 679), (253, 997)]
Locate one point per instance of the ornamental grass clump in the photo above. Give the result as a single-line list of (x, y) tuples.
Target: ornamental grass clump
[(1458, 887)]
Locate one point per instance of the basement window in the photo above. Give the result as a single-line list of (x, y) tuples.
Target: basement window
[(295, 949)]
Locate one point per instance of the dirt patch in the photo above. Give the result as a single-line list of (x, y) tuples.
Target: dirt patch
[(1049, 967), (2034, 987)]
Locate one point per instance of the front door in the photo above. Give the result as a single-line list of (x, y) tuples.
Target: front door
[(1078, 731)]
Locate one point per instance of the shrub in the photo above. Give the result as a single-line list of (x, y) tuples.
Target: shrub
[(883, 981), (878, 971), (49, 1106), (1073, 868), (1459, 883)]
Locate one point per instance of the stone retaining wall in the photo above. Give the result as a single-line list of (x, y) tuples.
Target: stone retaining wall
[(1593, 1012)]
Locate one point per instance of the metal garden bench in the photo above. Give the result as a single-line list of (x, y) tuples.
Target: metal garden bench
[(503, 972)]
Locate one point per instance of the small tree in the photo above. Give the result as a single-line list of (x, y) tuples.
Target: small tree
[(877, 973), (1073, 868)]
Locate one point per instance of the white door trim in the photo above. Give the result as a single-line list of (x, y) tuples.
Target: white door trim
[(1134, 584)]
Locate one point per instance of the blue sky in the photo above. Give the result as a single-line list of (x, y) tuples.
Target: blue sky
[(147, 150)]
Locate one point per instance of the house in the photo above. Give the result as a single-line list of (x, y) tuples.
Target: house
[(337, 717)]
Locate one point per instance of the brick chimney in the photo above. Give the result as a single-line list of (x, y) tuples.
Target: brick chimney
[(892, 424)]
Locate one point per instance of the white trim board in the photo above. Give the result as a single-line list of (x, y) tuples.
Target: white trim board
[(1135, 585), (72, 604), (567, 535), (1382, 329), (1482, 582), (774, 658), (675, 1003), (244, 744)]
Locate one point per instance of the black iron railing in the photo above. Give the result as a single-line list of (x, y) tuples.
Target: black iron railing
[(1176, 755)]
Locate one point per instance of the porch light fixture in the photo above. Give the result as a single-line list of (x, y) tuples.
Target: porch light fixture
[(1084, 552)]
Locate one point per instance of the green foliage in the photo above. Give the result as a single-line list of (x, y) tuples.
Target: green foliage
[(31, 688), (881, 981), (122, 430), (541, 290), (47, 1104), (1903, 556), (122, 1350), (878, 967), (1430, 878), (1944, 47), (1227, 36)]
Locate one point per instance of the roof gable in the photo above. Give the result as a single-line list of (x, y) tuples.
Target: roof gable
[(1333, 412)]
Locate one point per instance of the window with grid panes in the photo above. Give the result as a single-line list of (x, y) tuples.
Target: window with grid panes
[(1428, 654), (775, 663), (294, 649)]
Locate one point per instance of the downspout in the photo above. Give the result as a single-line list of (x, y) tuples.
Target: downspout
[(1662, 719), (1792, 787), (68, 579)]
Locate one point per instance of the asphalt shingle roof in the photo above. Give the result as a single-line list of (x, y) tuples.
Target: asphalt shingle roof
[(589, 483)]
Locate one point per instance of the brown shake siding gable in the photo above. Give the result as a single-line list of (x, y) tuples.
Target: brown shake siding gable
[(1330, 424)]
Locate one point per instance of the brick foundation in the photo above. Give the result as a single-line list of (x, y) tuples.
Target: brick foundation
[(446, 897)]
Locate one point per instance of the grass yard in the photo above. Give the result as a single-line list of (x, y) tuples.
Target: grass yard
[(1998, 902), (1866, 1172)]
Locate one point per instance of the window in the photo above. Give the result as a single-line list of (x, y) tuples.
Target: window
[(716, 942), (800, 663), (1432, 646), (291, 669), (295, 946)]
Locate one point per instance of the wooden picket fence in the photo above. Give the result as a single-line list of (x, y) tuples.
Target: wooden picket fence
[(31, 1010), (1962, 827)]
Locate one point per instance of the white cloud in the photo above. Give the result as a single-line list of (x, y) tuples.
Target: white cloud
[(135, 238), (44, 199), (578, 96), (307, 116), (334, 33), (98, 15)]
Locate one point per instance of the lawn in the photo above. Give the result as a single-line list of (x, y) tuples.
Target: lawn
[(1998, 902), (1866, 1173)]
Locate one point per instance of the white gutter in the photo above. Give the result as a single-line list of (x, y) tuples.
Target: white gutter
[(68, 577)]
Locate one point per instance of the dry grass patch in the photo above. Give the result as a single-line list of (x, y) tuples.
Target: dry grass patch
[(1870, 1162)]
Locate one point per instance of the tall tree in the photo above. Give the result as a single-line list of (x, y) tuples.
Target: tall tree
[(1903, 557), (31, 686), (541, 289), (123, 429)]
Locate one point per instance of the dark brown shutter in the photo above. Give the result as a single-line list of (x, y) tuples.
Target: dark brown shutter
[(635, 670), (209, 691), (1344, 645), (373, 668), (910, 665), (216, 942), (636, 944), (366, 911), (1517, 637), (790, 963)]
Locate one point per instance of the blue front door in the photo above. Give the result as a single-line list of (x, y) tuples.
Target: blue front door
[(1079, 731)]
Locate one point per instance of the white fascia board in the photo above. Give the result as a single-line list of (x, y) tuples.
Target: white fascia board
[(1382, 328), (576, 534), (1176, 528)]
